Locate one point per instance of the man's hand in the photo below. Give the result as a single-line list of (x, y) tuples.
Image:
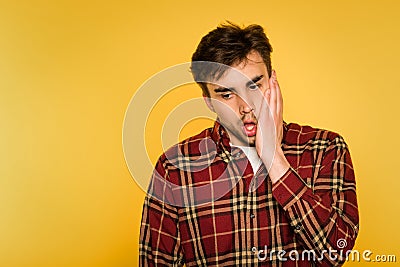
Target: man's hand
[(270, 131)]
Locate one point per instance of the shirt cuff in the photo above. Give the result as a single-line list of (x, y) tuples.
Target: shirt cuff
[(289, 189)]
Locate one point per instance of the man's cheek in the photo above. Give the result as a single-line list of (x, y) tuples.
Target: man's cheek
[(258, 105), (223, 110), (228, 116)]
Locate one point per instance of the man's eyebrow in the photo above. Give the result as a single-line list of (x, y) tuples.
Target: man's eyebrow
[(254, 80), (223, 89), (231, 89)]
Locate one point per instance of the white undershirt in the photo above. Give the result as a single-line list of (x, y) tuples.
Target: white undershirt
[(252, 155)]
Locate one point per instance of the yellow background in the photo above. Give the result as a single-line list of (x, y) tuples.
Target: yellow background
[(68, 70)]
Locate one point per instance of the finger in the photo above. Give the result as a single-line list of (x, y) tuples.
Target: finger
[(279, 99), (265, 97), (272, 100), (279, 110)]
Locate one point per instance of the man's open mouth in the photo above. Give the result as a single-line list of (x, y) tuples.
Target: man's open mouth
[(250, 129)]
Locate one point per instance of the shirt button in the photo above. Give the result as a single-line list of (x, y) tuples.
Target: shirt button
[(340, 213), (252, 216), (254, 249), (298, 227), (238, 155)]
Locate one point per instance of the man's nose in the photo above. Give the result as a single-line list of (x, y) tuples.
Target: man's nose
[(245, 106)]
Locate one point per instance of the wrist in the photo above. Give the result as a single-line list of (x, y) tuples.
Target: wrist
[(279, 166)]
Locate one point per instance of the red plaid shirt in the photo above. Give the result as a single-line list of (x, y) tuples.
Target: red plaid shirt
[(206, 207)]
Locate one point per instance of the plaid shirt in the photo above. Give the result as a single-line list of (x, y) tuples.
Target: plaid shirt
[(206, 207)]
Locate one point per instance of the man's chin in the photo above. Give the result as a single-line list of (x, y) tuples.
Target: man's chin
[(252, 140)]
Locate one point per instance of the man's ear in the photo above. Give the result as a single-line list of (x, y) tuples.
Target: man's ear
[(207, 99)]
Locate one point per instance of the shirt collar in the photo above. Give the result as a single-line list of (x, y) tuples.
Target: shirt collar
[(285, 130), (220, 136)]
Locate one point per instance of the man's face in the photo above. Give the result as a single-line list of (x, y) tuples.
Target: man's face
[(237, 96)]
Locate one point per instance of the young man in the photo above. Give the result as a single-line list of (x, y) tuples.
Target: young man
[(253, 190)]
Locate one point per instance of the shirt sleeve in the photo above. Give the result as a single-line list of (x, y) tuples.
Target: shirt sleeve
[(159, 233), (324, 216)]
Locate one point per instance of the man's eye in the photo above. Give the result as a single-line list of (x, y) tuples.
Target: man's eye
[(226, 96), (255, 86)]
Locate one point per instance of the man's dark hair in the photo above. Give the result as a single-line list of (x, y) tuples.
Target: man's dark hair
[(228, 44)]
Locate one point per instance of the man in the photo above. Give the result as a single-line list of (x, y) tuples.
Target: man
[(253, 190)]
